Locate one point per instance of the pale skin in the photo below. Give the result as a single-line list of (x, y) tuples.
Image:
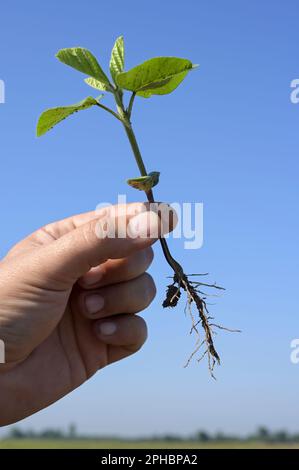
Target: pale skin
[(68, 303)]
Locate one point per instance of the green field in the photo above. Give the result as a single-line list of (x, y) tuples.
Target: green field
[(97, 444)]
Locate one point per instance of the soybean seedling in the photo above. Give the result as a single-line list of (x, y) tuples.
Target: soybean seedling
[(157, 76)]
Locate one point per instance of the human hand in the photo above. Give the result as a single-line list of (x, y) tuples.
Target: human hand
[(67, 298)]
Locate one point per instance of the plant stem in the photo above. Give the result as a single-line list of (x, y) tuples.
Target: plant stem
[(177, 268), (137, 154)]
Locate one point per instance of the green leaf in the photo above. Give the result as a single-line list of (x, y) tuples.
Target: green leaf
[(157, 76), (49, 118), (83, 60), (164, 87), (117, 60), (145, 183), (97, 84)]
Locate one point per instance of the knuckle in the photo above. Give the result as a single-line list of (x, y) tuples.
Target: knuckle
[(88, 233)]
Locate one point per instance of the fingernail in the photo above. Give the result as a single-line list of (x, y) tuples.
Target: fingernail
[(106, 328), (94, 276), (94, 303), (144, 225)]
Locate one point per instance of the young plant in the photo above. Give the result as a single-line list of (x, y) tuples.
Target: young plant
[(157, 76)]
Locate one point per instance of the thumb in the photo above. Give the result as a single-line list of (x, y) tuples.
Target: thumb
[(117, 233)]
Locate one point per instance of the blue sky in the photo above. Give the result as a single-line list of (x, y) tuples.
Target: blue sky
[(228, 137)]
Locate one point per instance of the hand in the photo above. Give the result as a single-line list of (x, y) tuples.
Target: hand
[(67, 298)]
